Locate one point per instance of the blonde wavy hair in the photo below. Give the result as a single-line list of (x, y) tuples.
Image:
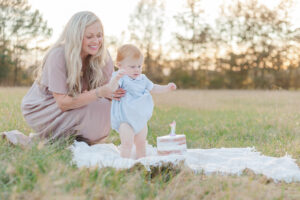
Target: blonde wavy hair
[(71, 39)]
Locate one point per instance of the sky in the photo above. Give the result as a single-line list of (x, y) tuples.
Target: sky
[(114, 14)]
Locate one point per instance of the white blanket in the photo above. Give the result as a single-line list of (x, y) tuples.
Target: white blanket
[(222, 160)]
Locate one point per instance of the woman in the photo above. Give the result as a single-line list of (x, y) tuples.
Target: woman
[(71, 95)]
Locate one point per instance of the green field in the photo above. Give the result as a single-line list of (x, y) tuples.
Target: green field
[(266, 120)]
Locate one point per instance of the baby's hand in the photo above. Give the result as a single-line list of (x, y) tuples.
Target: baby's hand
[(171, 86), (121, 73), (113, 84)]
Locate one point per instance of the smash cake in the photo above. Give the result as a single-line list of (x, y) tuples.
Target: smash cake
[(172, 143)]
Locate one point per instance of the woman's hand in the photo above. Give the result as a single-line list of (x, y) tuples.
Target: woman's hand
[(107, 92), (118, 94)]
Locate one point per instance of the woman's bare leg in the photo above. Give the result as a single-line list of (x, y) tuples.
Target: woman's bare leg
[(127, 138), (140, 142)]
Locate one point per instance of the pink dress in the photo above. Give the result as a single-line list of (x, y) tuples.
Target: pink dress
[(90, 123)]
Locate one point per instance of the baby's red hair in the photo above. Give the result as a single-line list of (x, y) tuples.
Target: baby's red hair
[(128, 51)]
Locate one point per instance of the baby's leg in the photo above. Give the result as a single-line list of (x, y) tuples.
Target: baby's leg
[(127, 138), (140, 142)]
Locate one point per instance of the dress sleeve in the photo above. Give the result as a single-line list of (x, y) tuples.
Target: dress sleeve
[(149, 83), (55, 72)]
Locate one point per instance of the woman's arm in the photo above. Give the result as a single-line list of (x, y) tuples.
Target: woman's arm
[(163, 88), (66, 102)]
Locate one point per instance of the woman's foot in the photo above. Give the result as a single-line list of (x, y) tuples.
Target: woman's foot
[(16, 137)]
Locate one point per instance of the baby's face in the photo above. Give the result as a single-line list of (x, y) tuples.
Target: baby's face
[(133, 67)]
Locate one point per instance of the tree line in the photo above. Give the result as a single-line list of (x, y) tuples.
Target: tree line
[(21, 28), (248, 46)]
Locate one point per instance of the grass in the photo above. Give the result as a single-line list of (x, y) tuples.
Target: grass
[(267, 120)]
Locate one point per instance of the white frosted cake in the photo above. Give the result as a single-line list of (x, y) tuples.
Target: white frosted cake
[(171, 144)]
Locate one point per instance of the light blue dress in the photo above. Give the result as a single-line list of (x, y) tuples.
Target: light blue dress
[(136, 107)]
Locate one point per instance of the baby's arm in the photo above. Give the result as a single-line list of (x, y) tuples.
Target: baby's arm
[(163, 88), (114, 82)]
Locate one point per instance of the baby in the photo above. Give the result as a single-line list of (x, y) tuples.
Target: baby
[(130, 115)]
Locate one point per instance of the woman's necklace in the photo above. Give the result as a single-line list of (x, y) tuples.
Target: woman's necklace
[(84, 66), (82, 70)]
